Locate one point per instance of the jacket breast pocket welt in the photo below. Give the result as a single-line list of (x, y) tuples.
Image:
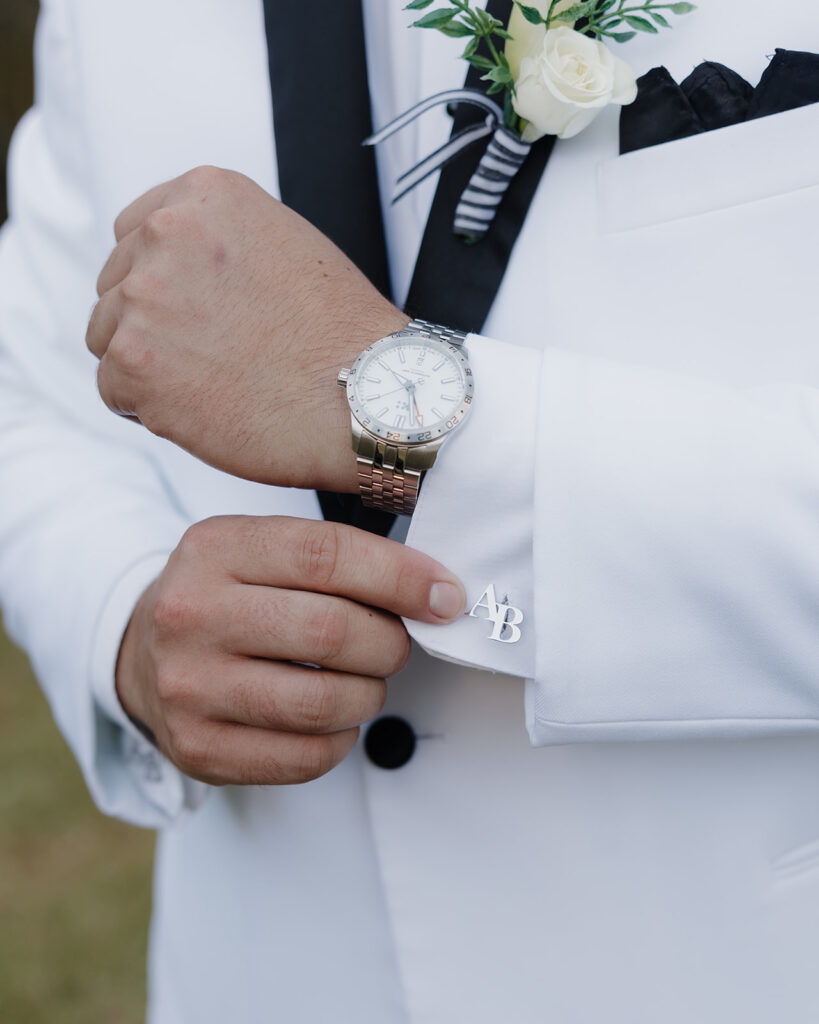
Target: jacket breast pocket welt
[(743, 163)]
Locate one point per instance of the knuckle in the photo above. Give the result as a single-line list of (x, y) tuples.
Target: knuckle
[(397, 651), (318, 703), (316, 758), (94, 326), (120, 222), (191, 754), (206, 177), (177, 611), (130, 353), (166, 222), (318, 553), (140, 287), (408, 576), (172, 687), (326, 629), (105, 382), (203, 540)]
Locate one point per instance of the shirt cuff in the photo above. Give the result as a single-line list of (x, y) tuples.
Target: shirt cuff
[(475, 514), (159, 780)]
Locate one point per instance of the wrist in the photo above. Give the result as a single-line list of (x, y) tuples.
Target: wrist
[(331, 432)]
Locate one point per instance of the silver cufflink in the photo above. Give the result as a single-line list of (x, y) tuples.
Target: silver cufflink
[(505, 617)]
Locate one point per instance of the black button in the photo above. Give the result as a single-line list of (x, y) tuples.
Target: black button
[(390, 742)]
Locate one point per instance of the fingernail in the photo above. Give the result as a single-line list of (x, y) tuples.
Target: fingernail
[(446, 600)]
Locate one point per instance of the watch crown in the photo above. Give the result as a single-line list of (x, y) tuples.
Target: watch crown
[(343, 377)]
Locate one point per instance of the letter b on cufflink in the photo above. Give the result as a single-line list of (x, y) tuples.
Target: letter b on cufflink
[(505, 618)]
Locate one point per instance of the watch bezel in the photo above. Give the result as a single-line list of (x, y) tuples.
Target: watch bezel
[(411, 438)]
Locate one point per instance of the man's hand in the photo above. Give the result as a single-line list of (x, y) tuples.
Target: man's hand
[(261, 648), (222, 322)]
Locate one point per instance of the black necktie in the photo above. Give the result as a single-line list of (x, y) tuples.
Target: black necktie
[(329, 178), (325, 174), (455, 283), (714, 96)]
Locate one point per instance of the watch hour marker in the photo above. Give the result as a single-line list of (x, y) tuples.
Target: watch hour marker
[(402, 358), (449, 380), (382, 412), (438, 365), (437, 413), (399, 421), (447, 398), (373, 380), (371, 398)]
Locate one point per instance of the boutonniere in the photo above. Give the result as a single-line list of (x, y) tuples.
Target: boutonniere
[(552, 73)]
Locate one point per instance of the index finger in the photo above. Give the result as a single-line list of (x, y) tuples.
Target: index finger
[(330, 558)]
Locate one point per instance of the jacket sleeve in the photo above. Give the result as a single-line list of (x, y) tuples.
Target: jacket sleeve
[(660, 535), (86, 519)]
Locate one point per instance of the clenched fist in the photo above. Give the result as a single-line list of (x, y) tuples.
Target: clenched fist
[(222, 321), (262, 647)]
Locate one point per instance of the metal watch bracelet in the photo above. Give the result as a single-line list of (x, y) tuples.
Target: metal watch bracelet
[(387, 478)]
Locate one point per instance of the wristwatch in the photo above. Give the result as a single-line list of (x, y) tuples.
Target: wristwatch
[(407, 393)]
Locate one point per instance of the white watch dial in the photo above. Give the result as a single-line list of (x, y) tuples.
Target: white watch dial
[(409, 389)]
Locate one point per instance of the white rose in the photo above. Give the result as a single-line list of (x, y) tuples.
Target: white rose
[(527, 39), (561, 90)]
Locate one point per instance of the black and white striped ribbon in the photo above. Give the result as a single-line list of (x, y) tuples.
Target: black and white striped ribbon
[(480, 199), (498, 166)]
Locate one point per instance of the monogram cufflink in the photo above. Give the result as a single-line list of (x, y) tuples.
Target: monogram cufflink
[(505, 618)]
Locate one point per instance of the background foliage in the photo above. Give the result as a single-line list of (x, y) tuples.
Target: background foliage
[(74, 886)]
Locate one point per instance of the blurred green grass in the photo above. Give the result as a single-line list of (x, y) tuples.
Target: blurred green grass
[(74, 886)]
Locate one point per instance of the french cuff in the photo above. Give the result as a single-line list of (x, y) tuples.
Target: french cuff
[(475, 515), (159, 781)]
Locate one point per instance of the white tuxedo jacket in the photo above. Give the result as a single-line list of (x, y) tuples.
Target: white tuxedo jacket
[(632, 835)]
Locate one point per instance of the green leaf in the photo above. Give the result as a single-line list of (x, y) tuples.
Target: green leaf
[(641, 24), (683, 8), (456, 30), (435, 19), (664, 22), (471, 47), (418, 5), (484, 63), (531, 14), (497, 74), (503, 33), (621, 37), (496, 87), (606, 5), (578, 11), (483, 19)]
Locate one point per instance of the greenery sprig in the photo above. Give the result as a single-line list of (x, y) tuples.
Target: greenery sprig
[(486, 34), (600, 18), (461, 20)]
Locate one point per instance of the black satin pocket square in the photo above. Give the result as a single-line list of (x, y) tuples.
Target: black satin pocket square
[(714, 96)]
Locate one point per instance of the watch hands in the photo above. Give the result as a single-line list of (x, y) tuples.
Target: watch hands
[(405, 381), (386, 394), (399, 377)]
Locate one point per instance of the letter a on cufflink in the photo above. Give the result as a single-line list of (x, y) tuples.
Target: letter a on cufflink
[(505, 617)]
